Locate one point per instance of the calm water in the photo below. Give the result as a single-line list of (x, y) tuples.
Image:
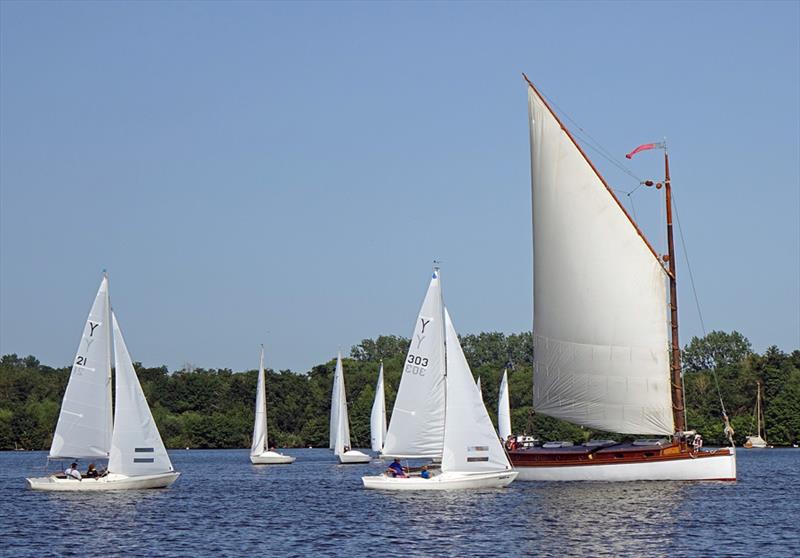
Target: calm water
[(224, 506)]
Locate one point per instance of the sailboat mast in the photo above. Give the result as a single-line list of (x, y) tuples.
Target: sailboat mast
[(678, 409)]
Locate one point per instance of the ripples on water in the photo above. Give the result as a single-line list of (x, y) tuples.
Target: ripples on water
[(224, 506)]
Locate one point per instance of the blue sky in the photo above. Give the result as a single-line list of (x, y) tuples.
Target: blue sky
[(286, 172)]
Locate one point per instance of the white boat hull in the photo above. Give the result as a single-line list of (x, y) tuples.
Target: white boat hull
[(445, 481), (109, 482), (354, 456), (271, 458), (718, 467)]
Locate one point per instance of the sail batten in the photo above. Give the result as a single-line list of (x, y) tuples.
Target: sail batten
[(601, 344)]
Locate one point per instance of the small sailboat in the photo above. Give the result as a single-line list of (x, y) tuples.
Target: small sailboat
[(503, 409), (758, 441), (478, 384), (604, 357), (86, 430), (260, 454), (471, 454), (377, 419), (340, 423)]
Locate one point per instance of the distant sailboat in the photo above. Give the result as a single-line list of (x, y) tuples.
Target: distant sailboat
[(478, 383), (503, 409), (340, 423), (130, 440), (377, 420), (260, 454), (603, 354), (472, 456), (758, 441)]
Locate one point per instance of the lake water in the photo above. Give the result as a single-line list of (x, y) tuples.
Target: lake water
[(224, 506)]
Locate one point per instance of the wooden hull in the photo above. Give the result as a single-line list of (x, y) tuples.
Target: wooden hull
[(271, 458), (445, 481), (109, 482), (624, 463)]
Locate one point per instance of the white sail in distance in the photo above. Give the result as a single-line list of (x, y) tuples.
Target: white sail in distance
[(601, 344), (136, 445), (470, 441), (377, 421), (85, 421), (503, 409), (259, 445), (340, 422), (416, 428), (480, 391)]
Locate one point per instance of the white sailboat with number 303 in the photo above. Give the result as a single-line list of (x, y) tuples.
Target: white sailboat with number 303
[(472, 456), (260, 454), (86, 431)]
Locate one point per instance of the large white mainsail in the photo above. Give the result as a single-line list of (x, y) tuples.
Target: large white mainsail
[(417, 425), (470, 441), (259, 445), (601, 345), (377, 419), (503, 409), (85, 421), (136, 446), (340, 422)]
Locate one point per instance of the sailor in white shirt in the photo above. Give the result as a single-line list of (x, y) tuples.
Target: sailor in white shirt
[(73, 472)]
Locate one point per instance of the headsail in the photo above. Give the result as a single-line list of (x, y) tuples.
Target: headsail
[(260, 426), (503, 409), (417, 425), (377, 420), (470, 441), (85, 421), (601, 345), (136, 446)]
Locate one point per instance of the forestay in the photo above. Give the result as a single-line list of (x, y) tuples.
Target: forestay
[(85, 421), (377, 420), (260, 425), (470, 441), (416, 428), (136, 446), (600, 314), (503, 409)]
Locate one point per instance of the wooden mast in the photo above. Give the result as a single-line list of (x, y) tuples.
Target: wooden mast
[(678, 409)]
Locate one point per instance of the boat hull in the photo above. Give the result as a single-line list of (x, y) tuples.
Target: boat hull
[(109, 482), (620, 467), (271, 458), (354, 456), (445, 481)]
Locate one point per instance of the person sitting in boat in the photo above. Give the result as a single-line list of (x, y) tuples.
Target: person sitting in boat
[(91, 472), (395, 470), (72, 472), (511, 443), (697, 443), (424, 473)]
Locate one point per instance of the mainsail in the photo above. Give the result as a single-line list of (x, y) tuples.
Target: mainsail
[(85, 421), (417, 425), (260, 426), (503, 409), (136, 446), (601, 345), (377, 419), (470, 441)]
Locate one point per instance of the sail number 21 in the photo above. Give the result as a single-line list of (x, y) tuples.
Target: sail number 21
[(416, 365)]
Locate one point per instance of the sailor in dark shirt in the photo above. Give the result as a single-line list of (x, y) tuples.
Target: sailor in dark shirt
[(91, 472)]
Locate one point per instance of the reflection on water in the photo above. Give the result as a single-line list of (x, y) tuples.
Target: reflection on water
[(224, 506)]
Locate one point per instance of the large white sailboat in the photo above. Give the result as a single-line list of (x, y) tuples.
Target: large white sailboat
[(437, 371), (340, 422), (86, 430), (260, 454), (377, 419), (603, 354)]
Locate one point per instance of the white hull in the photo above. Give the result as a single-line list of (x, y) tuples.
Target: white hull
[(756, 442), (271, 458), (109, 482), (354, 456), (718, 467), (445, 481)]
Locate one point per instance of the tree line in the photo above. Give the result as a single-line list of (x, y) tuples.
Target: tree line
[(213, 408)]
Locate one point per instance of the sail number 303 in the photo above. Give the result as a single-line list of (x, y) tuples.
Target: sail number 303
[(416, 365)]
